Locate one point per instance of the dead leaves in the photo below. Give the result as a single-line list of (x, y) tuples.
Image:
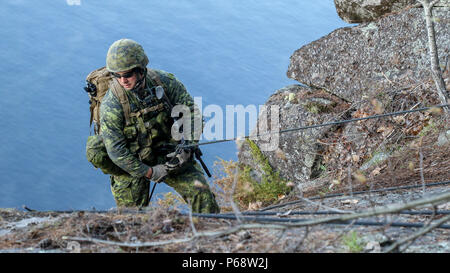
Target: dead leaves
[(334, 183), (399, 120), (375, 172), (355, 158), (254, 205), (435, 111), (411, 166), (350, 202), (354, 144), (377, 106), (385, 130), (280, 154), (360, 177), (416, 122), (409, 124), (290, 184)]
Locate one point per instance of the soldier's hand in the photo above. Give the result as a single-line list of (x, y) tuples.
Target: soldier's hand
[(158, 173), (178, 159)]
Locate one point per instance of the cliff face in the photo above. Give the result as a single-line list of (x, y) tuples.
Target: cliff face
[(375, 67), (391, 52), (360, 11)]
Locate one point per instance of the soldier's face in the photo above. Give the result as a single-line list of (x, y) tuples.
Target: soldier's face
[(126, 79)]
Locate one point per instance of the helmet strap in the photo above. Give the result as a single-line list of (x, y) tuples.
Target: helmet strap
[(141, 78)]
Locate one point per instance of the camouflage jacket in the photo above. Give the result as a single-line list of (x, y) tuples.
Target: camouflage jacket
[(112, 122)]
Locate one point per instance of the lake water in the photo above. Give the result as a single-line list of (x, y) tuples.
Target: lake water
[(228, 52)]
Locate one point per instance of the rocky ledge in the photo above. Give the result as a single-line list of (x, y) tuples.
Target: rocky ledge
[(380, 66)]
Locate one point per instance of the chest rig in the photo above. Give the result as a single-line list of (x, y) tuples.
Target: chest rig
[(147, 118)]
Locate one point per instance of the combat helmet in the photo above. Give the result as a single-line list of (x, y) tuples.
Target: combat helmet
[(125, 54)]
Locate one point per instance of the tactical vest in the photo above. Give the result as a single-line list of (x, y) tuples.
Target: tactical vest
[(147, 126)]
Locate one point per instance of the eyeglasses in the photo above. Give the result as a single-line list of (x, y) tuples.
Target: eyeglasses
[(125, 75)]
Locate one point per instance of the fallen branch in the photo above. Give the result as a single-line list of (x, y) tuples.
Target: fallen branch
[(422, 178), (434, 200), (208, 234), (358, 192), (300, 242), (191, 221), (233, 205), (435, 68), (418, 234), (326, 207)]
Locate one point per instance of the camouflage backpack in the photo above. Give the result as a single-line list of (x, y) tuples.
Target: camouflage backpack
[(99, 82)]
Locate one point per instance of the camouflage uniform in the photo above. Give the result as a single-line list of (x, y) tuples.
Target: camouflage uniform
[(132, 189)]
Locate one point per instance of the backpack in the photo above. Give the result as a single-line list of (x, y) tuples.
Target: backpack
[(98, 82)]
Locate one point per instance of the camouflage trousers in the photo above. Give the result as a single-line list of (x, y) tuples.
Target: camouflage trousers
[(188, 181)]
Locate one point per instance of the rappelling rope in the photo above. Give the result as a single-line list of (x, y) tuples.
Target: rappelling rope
[(321, 125)]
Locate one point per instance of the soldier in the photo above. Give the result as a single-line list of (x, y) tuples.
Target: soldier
[(140, 143)]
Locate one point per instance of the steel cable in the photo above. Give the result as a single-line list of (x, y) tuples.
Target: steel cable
[(320, 125)]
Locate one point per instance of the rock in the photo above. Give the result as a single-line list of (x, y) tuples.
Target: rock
[(167, 226), (239, 247), (372, 247), (372, 58), (46, 244), (73, 247), (244, 235), (359, 11), (254, 205), (375, 160), (444, 138), (296, 156), (372, 68)]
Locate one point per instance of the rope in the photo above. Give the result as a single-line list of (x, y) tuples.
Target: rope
[(305, 128), (320, 125)]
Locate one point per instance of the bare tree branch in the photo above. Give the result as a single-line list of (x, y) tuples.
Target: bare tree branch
[(422, 179), (236, 210), (300, 242), (433, 200), (418, 234), (275, 242), (435, 68), (208, 234), (323, 206), (191, 221), (425, 225)]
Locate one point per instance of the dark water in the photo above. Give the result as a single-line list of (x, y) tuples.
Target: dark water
[(226, 51)]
